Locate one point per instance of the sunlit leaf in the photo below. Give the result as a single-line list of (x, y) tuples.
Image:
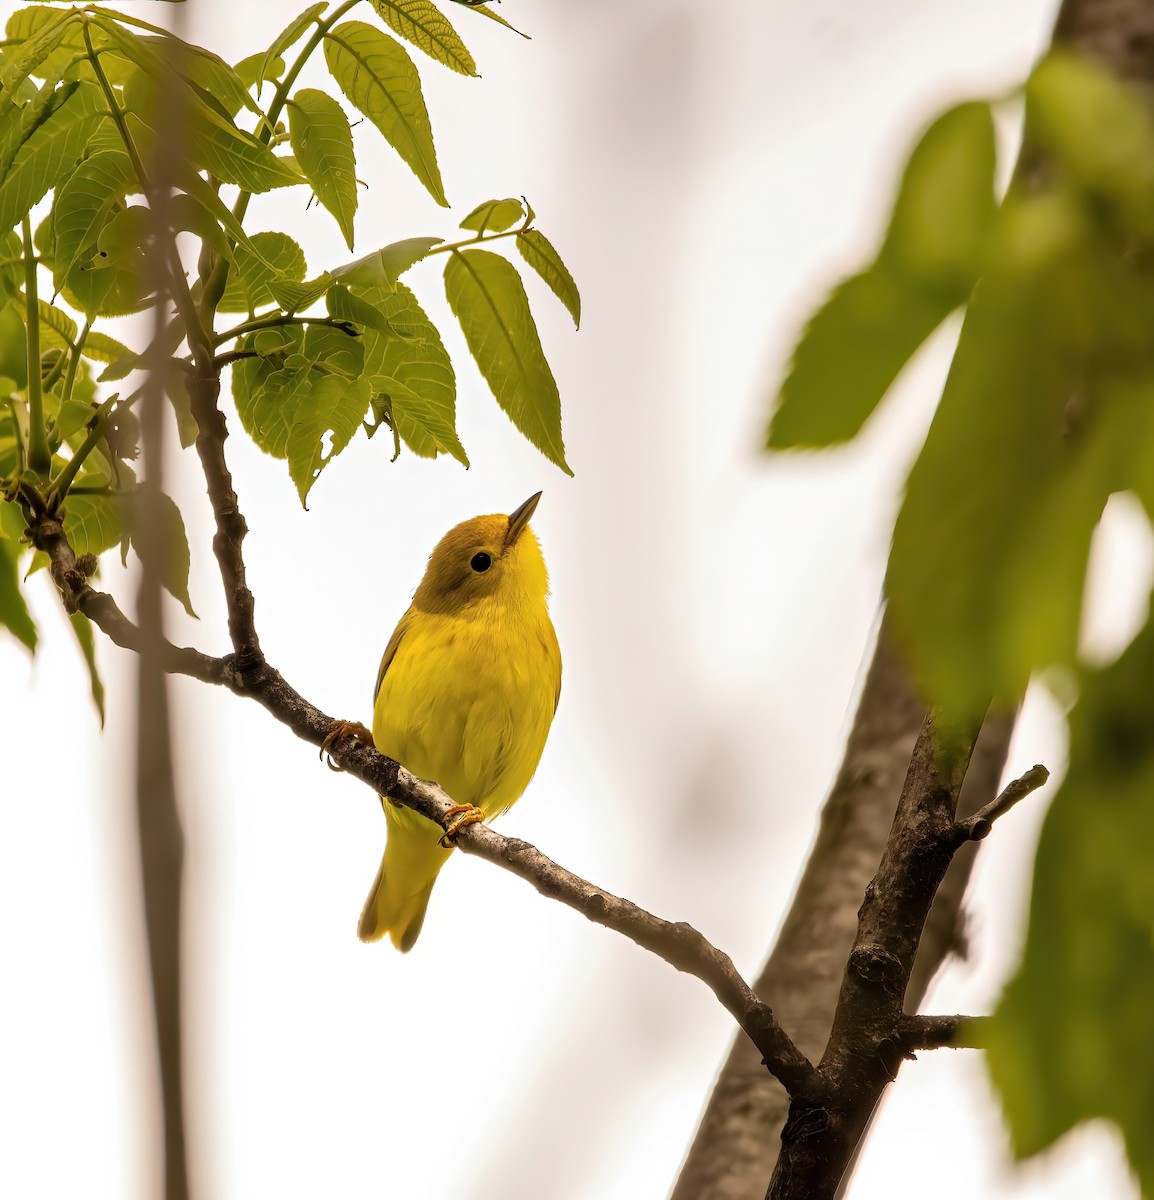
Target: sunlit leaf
[(49, 154), (488, 299), (485, 11), (323, 143), (538, 252), (494, 216), (175, 565), (423, 24), (380, 80), (387, 265), (84, 204), (415, 372), (273, 256), (289, 35)]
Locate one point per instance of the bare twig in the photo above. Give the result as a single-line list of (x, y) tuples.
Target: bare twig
[(977, 827), (953, 1032)]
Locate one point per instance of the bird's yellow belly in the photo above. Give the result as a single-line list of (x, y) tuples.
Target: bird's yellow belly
[(464, 703)]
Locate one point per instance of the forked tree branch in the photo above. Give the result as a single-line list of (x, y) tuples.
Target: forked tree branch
[(678, 943)]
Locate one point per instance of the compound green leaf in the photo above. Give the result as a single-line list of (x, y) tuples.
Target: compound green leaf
[(488, 299), (423, 24), (323, 144), (379, 79), (538, 252)]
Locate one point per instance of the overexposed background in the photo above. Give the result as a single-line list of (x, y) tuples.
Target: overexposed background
[(707, 172)]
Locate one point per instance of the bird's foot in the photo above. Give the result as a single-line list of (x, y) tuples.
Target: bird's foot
[(469, 815), (343, 731)]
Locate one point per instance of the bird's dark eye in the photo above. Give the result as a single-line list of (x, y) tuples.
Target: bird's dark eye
[(481, 562)]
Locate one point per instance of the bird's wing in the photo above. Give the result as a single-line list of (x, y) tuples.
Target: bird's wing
[(391, 651)]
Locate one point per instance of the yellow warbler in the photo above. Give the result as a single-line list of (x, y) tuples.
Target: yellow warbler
[(465, 697)]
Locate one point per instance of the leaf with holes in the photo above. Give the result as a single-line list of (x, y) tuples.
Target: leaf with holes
[(415, 371), (379, 79), (488, 299), (83, 206), (323, 144), (423, 24)]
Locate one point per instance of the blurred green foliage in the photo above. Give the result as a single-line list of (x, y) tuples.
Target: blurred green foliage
[(1048, 410)]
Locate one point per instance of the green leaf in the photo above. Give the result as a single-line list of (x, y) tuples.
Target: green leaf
[(494, 216), (213, 141), (379, 79), (101, 348), (937, 245), (287, 37), (288, 404), (82, 627), (49, 153), (34, 33), (345, 306), (538, 252), (14, 615), (174, 568), (273, 257), (488, 299), (992, 540), (293, 296), (323, 143), (112, 282), (848, 357), (83, 206), (415, 372), (1099, 128), (943, 217), (94, 522), (1072, 1040), (423, 24), (385, 266), (485, 11)]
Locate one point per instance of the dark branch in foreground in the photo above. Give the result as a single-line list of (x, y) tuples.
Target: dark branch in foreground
[(871, 1035), (678, 943)]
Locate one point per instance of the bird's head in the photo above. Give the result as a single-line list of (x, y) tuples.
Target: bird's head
[(493, 558)]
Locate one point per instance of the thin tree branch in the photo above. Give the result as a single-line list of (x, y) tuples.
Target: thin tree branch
[(977, 827), (954, 1032)]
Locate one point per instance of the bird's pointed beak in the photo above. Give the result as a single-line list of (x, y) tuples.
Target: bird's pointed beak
[(519, 518)]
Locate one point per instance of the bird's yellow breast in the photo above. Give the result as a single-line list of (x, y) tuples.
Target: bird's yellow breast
[(468, 698)]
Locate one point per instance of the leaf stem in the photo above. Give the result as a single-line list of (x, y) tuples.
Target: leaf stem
[(39, 456), (277, 319), (74, 361)]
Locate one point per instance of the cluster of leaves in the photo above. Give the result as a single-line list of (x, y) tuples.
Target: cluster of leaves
[(1048, 411), (316, 357)]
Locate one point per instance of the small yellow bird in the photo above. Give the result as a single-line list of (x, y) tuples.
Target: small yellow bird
[(465, 696)]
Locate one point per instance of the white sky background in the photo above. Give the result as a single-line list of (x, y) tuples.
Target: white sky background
[(706, 178)]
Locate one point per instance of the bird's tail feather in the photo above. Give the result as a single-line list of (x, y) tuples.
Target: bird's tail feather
[(400, 893)]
